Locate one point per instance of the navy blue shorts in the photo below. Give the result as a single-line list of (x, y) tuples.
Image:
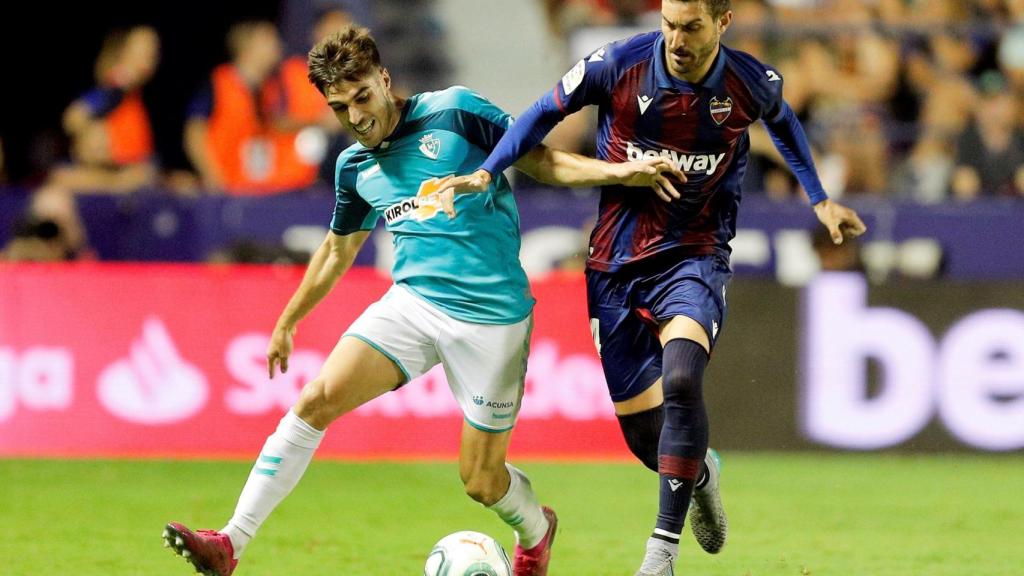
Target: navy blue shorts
[(627, 308)]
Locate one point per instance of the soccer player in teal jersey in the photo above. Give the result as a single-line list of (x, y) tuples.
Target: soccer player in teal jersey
[(460, 296)]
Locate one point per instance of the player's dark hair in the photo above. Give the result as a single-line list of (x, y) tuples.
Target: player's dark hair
[(346, 55), (715, 7)]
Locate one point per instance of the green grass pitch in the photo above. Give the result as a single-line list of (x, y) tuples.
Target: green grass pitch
[(792, 515)]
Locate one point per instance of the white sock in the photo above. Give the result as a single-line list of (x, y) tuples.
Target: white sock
[(520, 510), (281, 463)]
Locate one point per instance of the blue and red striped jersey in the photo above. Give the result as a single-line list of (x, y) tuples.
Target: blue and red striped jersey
[(644, 112)]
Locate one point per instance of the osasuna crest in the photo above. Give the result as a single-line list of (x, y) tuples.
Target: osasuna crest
[(720, 109), (430, 146)]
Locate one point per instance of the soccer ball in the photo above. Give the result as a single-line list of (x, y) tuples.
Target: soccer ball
[(467, 554)]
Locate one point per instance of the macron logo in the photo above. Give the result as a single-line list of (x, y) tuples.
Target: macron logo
[(689, 163), (644, 101), (674, 484)]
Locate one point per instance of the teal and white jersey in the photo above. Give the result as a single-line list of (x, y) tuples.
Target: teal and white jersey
[(468, 266)]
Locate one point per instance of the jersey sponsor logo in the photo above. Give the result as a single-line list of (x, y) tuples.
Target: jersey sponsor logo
[(773, 76), (423, 206), (689, 163), (644, 101), (720, 109), (430, 146), (573, 78)]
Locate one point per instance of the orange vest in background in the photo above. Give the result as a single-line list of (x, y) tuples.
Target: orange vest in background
[(128, 131), (295, 101), (304, 102), (237, 136), (254, 157)]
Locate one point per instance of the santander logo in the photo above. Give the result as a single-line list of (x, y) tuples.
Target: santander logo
[(562, 385), (153, 384)]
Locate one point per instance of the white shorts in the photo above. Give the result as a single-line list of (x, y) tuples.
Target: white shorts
[(485, 363)]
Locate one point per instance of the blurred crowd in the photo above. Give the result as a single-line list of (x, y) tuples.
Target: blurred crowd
[(919, 100), (254, 127)]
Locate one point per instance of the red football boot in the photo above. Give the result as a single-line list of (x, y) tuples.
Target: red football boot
[(534, 562), (209, 551)]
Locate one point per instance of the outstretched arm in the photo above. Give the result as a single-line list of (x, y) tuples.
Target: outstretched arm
[(791, 141), (560, 168), (330, 261), (527, 132)]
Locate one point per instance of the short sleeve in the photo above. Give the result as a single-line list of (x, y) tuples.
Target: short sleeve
[(479, 120), (201, 105), (101, 100), (351, 212)]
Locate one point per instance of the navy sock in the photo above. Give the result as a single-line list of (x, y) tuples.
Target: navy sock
[(684, 437), (642, 432)]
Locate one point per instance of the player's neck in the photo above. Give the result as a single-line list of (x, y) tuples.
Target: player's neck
[(695, 76), (396, 116)]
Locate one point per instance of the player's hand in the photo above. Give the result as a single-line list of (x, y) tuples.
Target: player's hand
[(279, 349), (840, 220), (653, 173), (449, 186)]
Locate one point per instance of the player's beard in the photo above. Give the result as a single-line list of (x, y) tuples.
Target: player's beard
[(698, 58)]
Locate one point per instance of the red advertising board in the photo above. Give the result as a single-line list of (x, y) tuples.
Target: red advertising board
[(169, 360)]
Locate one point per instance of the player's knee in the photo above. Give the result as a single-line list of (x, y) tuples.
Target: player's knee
[(647, 453), (485, 486), (642, 431), (315, 405), (681, 387), (682, 380)]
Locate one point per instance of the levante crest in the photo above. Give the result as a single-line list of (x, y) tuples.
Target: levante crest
[(720, 109)]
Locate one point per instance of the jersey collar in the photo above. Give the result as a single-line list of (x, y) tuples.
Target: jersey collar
[(669, 82), (397, 132)]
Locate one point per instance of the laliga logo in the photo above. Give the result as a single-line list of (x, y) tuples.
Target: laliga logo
[(423, 206), (154, 384)]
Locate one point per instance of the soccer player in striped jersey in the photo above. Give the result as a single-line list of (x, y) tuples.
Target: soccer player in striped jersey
[(460, 296), (658, 268)]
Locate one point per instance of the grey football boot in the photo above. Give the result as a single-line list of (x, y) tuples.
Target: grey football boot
[(657, 562), (707, 516)]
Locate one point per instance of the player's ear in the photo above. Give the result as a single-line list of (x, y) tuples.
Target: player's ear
[(385, 77), (724, 21)]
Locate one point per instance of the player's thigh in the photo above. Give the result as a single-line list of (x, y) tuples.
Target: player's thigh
[(629, 348), (688, 299), (652, 397), (355, 373), (685, 327), (390, 343), (486, 369)]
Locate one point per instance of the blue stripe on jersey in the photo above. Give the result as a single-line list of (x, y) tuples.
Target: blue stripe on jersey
[(351, 212), (477, 129)]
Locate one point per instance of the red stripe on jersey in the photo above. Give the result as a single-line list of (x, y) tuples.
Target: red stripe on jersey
[(744, 108)]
